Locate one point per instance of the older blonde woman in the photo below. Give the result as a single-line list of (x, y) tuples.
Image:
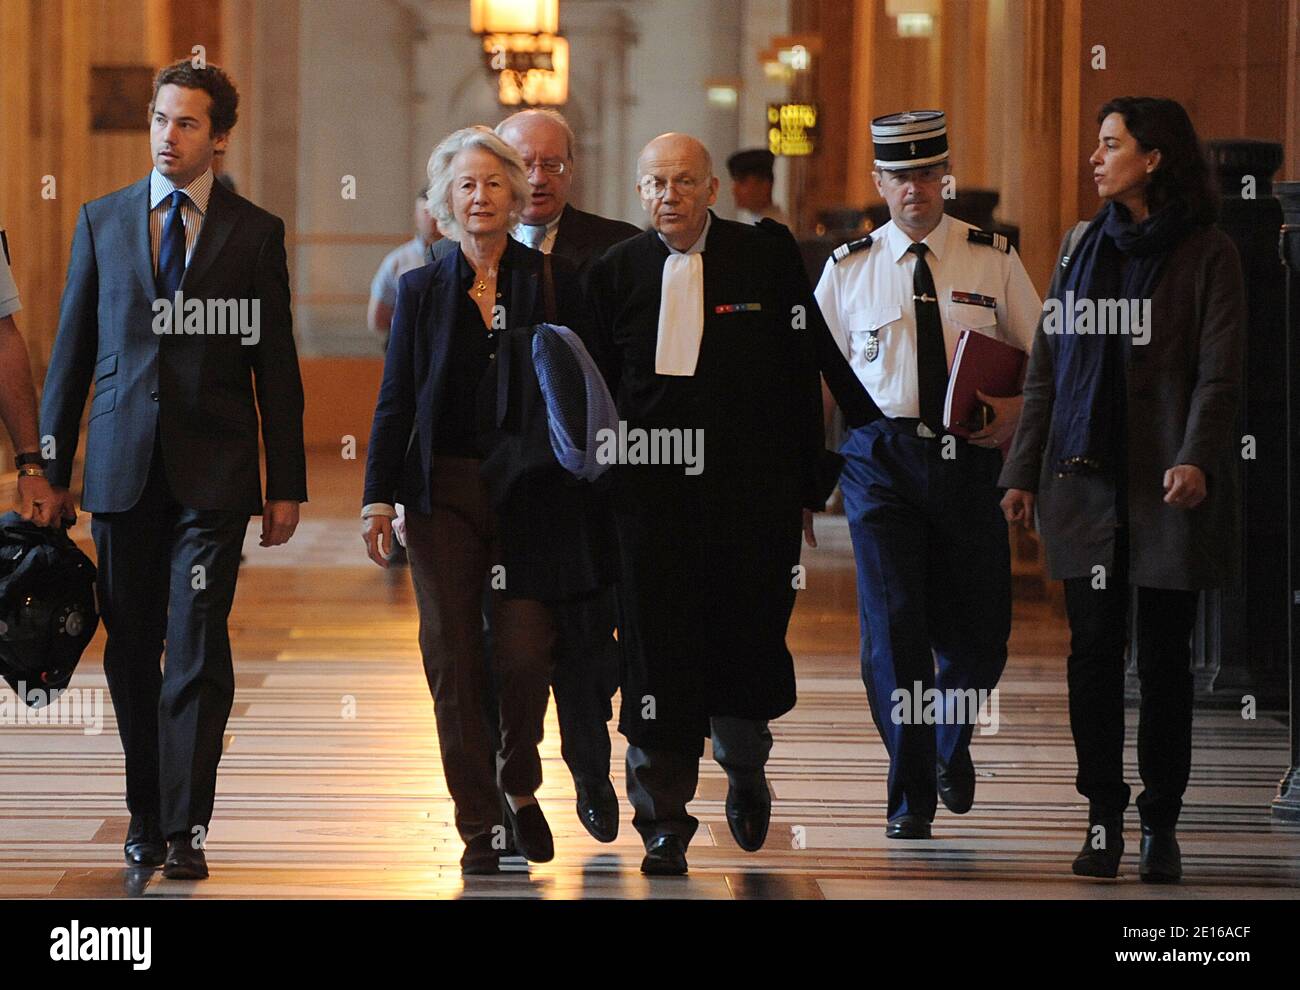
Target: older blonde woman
[(426, 451)]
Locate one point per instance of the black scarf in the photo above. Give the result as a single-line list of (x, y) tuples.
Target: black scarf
[(1114, 259)]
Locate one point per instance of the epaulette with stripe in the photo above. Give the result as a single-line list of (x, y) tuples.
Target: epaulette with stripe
[(993, 240), (844, 250)]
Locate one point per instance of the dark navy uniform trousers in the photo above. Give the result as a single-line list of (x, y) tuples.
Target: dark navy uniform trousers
[(934, 584)]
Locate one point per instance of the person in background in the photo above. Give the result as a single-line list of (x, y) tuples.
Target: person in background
[(37, 501), (399, 261), (1126, 451), (752, 178)]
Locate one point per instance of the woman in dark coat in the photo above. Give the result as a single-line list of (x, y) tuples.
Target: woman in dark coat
[(474, 518), (1126, 451)]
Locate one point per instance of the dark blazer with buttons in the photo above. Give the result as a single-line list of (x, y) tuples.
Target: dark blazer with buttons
[(399, 460), (583, 237), (553, 528), (202, 392)]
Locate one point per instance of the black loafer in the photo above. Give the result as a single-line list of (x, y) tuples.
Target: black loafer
[(1102, 850), (510, 847), (665, 856), (956, 782), (908, 827), (1160, 859), (480, 858), (598, 808), (184, 862), (749, 810), (532, 833), (145, 844)]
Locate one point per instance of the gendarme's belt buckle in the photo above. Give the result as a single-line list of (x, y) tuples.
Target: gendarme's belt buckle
[(924, 431), (873, 346)]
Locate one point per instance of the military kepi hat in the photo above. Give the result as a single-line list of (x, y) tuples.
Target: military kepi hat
[(751, 161), (914, 139)]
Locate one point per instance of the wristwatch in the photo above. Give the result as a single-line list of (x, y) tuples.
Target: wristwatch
[(31, 457), (31, 471)]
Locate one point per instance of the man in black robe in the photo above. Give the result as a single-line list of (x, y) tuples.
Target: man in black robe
[(704, 331)]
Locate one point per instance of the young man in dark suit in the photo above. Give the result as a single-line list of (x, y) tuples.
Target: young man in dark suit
[(176, 308), (586, 657)]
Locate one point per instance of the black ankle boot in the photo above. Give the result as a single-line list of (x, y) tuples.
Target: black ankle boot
[(1102, 848), (1161, 860)]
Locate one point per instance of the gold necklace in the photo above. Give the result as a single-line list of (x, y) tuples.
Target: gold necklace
[(481, 285)]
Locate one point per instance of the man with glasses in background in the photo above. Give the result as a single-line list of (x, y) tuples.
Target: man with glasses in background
[(551, 224)]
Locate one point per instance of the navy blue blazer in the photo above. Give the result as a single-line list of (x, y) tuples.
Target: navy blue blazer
[(399, 460), (206, 395), (554, 530)]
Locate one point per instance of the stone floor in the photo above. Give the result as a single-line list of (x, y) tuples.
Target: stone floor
[(331, 786)]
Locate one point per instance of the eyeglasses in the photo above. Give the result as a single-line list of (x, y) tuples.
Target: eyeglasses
[(550, 168), (653, 187)]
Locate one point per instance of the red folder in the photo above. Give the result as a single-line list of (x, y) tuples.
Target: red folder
[(984, 363)]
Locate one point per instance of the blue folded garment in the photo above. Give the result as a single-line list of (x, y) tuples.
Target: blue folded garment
[(578, 403)]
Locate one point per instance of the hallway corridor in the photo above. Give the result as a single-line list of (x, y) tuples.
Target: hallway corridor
[(330, 786)]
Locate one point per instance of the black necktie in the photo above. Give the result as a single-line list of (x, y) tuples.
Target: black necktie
[(931, 358), (171, 252)]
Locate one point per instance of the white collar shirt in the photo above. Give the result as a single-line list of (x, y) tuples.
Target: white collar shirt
[(548, 239), (867, 301), (193, 209)]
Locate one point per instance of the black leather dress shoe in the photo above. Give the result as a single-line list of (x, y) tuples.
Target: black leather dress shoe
[(145, 845), (956, 782), (665, 856), (1102, 850), (480, 858), (1160, 859), (908, 827), (532, 833), (749, 809), (511, 848), (184, 862), (598, 808)]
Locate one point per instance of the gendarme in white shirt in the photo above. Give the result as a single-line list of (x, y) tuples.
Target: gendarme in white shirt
[(867, 301)]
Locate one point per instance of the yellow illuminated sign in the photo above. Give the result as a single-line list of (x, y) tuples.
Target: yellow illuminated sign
[(792, 129)]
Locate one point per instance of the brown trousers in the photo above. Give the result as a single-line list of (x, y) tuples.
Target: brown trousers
[(452, 554)]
